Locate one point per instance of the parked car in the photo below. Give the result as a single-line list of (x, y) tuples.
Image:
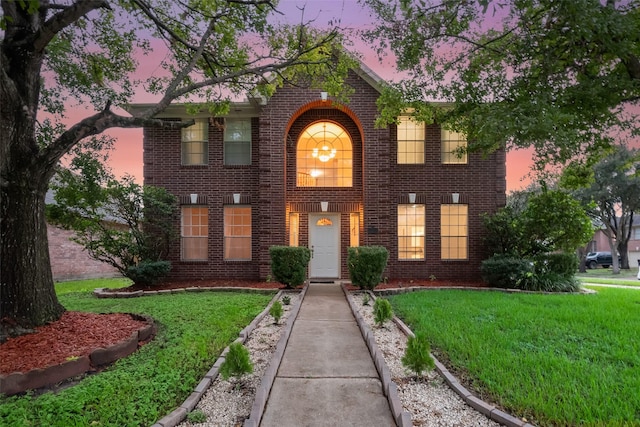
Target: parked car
[(594, 259)]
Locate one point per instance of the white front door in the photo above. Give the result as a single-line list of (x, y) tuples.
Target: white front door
[(324, 242)]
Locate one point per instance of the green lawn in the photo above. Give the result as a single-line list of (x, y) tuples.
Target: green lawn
[(606, 276), (90, 284), (193, 330), (554, 359)]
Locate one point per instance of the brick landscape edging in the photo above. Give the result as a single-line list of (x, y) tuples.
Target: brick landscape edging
[(107, 293), (18, 382)]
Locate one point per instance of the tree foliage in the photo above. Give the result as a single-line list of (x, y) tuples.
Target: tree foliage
[(121, 223), (97, 54), (547, 221), (610, 193), (548, 74)]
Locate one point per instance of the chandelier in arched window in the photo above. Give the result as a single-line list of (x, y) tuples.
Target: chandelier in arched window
[(324, 156)]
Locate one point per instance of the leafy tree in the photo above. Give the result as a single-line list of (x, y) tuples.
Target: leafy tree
[(555, 75), (547, 221), (54, 53), (89, 201), (610, 192)]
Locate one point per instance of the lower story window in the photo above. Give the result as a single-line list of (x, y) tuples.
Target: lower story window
[(237, 233), (454, 231), (194, 232), (411, 220)]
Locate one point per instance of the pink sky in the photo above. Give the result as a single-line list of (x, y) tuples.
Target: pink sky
[(126, 158)]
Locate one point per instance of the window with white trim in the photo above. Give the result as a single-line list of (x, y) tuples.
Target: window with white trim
[(237, 233), (453, 147), (195, 143), (237, 142), (411, 227), (454, 231), (410, 141), (194, 233)]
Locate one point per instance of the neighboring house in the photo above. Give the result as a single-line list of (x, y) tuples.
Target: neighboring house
[(601, 243), (69, 260), (297, 169)]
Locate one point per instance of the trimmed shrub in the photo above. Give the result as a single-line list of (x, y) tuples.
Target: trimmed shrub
[(564, 264), (276, 311), (382, 311), (148, 273), (289, 264), (366, 264), (237, 362), (507, 272), (417, 357)]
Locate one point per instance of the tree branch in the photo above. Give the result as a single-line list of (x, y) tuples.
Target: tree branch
[(63, 19)]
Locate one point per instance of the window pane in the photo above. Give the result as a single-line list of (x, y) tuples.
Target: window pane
[(294, 229), (354, 229), (194, 232), (195, 145), (410, 141), (411, 231), (454, 231), (237, 142), (324, 156), (237, 233), (451, 142)]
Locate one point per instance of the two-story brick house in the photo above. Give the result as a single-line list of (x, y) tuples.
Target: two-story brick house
[(297, 169)]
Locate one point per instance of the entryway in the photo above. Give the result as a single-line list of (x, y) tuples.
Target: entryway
[(324, 242)]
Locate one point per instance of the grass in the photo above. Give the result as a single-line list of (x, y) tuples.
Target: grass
[(554, 359), (90, 284), (193, 330), (606, 276)]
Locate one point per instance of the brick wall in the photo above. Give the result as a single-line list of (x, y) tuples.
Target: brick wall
[(69, 260), (379, 185)]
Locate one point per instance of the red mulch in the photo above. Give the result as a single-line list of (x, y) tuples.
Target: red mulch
[(77, 334)]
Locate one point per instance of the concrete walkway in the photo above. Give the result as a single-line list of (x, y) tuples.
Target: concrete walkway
[(327, 376)]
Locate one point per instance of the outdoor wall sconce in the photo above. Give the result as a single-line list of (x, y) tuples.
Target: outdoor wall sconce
[(236, 198), (412, 198), (194, 199), (323, 96), (324, 206), (455, 197)]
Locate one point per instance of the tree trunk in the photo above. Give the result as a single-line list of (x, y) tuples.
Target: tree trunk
[(623, 249), (27, 292)]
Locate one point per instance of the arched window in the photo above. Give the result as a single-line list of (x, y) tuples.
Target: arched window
[(324, 156)]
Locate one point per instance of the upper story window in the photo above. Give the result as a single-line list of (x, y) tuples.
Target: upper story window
[(324, 156), (410, 141), (453, 147), (237, 142), (195, 143)]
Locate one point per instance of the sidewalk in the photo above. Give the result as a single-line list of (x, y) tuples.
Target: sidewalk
[(327, 376)]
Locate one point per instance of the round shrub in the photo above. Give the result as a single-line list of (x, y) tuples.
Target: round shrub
[(148, 272), (366, 265), (289, 264)]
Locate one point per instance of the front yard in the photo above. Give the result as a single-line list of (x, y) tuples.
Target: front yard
[(554, 359), (193, 329)]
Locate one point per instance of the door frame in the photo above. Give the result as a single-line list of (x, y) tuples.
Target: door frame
[(335, 217)]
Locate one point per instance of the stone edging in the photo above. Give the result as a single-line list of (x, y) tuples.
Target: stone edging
[(389, 388), (481, 406), (179, 414), (18, 382), (262, 394)]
